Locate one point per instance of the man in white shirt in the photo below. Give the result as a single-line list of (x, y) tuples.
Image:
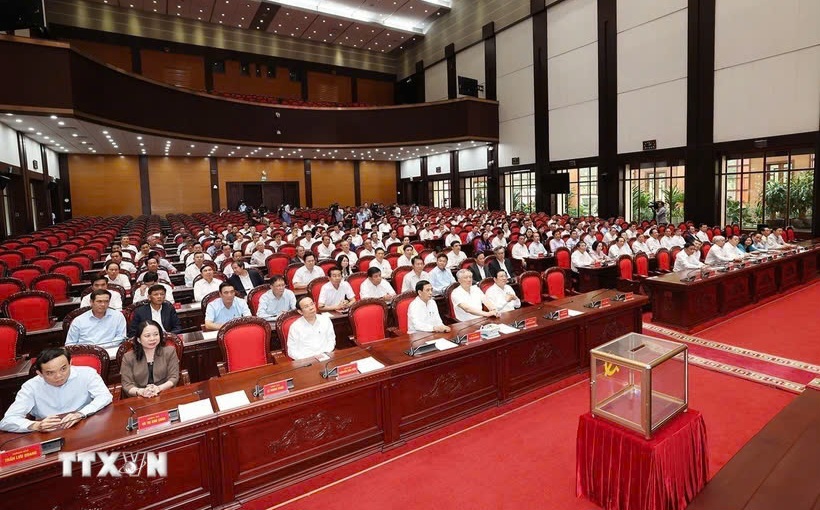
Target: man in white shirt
[(580, 257), (653, 242), (619, 248), (502, 295), (455, 257), (226, 308), (702, 235), (260, 254), (406, 258), (376, 287), (451, 238), (351, 255), (112, 272), (125, 265), (639, 245), (683, 260), (573, 240), (667, 241), (717, 256), (391, 240), (195, 269), (422, 314), (384, 226), (556, 241), (416, 275), (336, 294), (308, 241), (326, 248), (425, 233), (224, 255), (277, 300), (367, 249), (312, 334), (775, 240), (520, 251), (536, 248), (101, 325), (467, 299), (307, 273), (206, 284), (101, 282), (59, 397), (381, 263)]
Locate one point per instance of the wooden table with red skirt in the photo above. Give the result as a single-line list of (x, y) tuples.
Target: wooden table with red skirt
[(618, 469)]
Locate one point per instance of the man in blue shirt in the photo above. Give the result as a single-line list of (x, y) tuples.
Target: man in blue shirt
[(440, 276), (277, 300), (59, 397), (101, 325), (227, 307)]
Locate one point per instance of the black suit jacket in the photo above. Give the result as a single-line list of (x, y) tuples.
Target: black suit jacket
[(495, 267), (256, 280), (476, 275), (170, 320)]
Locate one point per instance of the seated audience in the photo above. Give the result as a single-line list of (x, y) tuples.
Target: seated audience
[(312, 334), (101, 282), (226, 308), (59, 397), (156, 309), (468, 299), (277, 300), (422, 314), (101, 325), (376, 287), (501, 295), (336, 294), (206, 284), (151, 366)]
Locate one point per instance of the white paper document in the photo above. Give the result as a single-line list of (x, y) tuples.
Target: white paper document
[(195, 410), (574, 313), (368, 365), (443, 345), (506, 329), (209, 335), (232, 400), (195, 306)]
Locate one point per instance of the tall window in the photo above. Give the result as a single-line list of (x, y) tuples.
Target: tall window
[(7, 211), (582, 199), (35, 213), (654, 181), (474, 192), (440, 193), (775, 188), (519, 191)]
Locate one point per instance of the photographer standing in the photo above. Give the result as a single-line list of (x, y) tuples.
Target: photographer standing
[(660, 212)]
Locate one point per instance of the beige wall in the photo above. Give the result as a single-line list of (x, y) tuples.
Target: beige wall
[(332, 181), (104, 185), (378, 181), (179, 185)]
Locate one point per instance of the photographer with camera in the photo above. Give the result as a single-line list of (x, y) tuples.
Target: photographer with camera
[(660, 212)]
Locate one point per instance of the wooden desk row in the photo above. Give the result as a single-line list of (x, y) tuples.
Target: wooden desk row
[(687, 304), (225, 458)]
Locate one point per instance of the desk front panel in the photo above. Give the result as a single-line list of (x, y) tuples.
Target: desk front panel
[(540, 356)]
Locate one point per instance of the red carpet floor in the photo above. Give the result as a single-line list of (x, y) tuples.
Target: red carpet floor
[(788, 327), (524, 458)]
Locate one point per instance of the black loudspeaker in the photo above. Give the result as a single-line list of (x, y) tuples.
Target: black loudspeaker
[(22, 14), (4, 181), (467, 86)]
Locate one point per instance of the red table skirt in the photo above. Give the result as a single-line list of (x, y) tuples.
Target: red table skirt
[(618, 469)]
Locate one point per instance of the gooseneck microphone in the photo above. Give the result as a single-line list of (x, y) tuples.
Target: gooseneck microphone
[(332, 372), (258, 390), (132, 420)]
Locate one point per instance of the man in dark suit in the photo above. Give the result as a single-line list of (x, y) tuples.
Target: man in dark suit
[(501, 263), (243, 280), (156, 305), (479, 268)]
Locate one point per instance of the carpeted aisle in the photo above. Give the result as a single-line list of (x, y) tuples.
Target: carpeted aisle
[(526, 457)]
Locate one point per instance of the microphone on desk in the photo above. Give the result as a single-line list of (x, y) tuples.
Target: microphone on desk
[(132, 419), (48, 446), (592, 303), (258, 390), (458, 340), (691, 275), (332, 372)]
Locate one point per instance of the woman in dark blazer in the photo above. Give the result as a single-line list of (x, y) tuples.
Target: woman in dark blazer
[(150, 367)]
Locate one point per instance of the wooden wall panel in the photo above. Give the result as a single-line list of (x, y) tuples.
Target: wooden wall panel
[(329, 87), (117, 56), (179, 185), (378, 181), (104, 185), (332, 182), (375, 92), (232, 80), (174, 69), (250, 170)]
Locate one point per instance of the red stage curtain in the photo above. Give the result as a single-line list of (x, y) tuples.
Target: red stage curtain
[(618, 469)]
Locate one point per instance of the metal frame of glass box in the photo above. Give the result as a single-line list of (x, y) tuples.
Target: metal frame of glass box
[(646, 426)]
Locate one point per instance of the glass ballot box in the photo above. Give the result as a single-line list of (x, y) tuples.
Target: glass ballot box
[(639, 382)]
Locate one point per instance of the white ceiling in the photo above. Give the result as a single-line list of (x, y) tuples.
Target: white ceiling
[(72, 136), (375, 25)]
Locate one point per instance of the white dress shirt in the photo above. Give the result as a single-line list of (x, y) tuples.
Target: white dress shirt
[(702, 236), (520, 251), (411, 279), (719, 256), (615, 251), (653, 245), (368, 290), (302, 276), (122, 281), (258, 257), (473, 299), (580, 259), (84, 391), (351, 257), (638, 247), (107, 331), (423, 316), (384, 266), (326, 252), (536, 249), (332, 296), (115, 302), (498, 296), (404, 261), (454, 260), (191, 272), (683, 262), (306, 340), (270, 306), (142, 295)]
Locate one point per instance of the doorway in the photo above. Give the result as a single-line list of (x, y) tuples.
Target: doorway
[(271, 194)]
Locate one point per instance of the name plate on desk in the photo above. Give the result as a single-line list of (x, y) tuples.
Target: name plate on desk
[(22, 454), (275, 389), (605, 303), (557, 315), (154, 420), (530, 322), (347, 370), (177, 305), (474, 336), (597, 263)]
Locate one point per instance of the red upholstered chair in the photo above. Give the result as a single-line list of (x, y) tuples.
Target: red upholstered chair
[(715, 232), (664, 260), (556, 283), (44, 261), (531, 287), (626, 275), (641, 266), (399, 308), (704, 251), (58, 253), (73, 314), (368, 320), (72, 269), (29, 251), (327, 265), (34, 309), (26, 273), (398, 277), (58, 285), (88, 355), (11, 332), (674, 253), (563, 258), (289, 272), (466, 263), (485, 284), (364, 263), (392, 258), (451, 312), (128, 311), (255, 295), (277, 263), (288, 249), (83, 259), (355, 280), (315, 287), (283, 323), (9, 286), (245, 343)]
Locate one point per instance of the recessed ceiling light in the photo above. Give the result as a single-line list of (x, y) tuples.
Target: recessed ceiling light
[(18, 120), (31, 129), (54, 117)]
